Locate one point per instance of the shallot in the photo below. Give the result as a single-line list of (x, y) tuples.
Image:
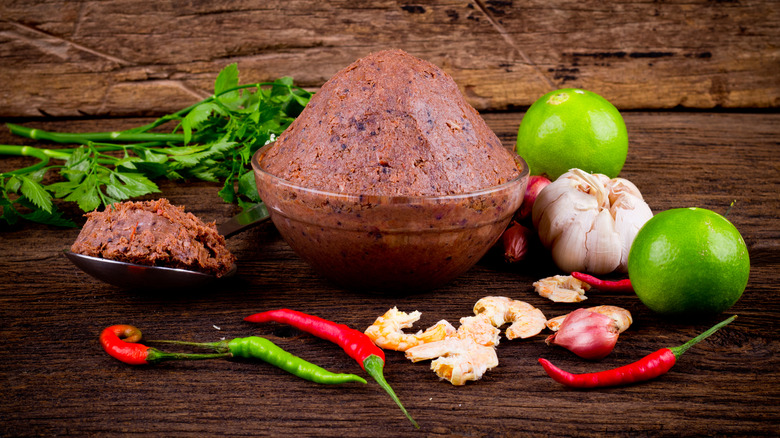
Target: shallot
[(589, 335), (516, 240), (535, 185)]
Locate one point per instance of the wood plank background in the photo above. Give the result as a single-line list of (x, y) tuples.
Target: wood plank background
[(697, 81), (57, 380), (123, 57)]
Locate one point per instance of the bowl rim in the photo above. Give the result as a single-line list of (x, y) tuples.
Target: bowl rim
[(389, 198)]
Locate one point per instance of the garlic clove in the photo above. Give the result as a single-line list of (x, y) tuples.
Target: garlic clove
[(569, 250), (559, 215), (592, 184), (547, 197), (603, 248), (619, 187), (567, 184), (552, 224), (630, 213)]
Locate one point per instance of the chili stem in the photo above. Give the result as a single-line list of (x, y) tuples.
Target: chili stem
[(220, 346), (679, 350), (155, 356), (374, 367)]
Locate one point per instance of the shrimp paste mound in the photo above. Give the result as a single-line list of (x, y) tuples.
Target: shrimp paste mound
[(391, 124)]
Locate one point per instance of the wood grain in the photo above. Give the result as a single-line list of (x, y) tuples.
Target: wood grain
[(125, 58), (57, 381)]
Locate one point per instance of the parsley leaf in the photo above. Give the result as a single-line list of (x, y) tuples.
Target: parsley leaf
[(35, 192)]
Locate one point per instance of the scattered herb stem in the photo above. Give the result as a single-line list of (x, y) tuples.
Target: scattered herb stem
[(212, 140), (26, 151), (87, 137)]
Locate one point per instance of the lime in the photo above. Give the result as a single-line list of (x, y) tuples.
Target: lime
[(572, 128), (688, 261)]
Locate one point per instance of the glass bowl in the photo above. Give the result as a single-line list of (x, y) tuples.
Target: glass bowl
[(389, 243)]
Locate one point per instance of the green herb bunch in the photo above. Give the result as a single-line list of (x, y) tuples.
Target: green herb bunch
[(212, 140)]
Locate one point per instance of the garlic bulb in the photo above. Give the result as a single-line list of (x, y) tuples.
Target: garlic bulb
[(589, 221)]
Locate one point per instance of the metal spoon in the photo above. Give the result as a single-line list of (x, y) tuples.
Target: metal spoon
[(132, 276)]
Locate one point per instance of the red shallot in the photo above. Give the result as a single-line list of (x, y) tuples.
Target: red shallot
[(516, 240), (587, 334), (535, 185)]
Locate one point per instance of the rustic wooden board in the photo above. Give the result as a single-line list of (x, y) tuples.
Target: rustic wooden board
[(57, 381), (119, 57)]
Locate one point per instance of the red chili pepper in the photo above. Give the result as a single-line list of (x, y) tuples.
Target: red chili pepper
[(605, 285), (649, 367), (355, 343), (127, 350)]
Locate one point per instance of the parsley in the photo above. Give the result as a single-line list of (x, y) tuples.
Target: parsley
[(212, 140)]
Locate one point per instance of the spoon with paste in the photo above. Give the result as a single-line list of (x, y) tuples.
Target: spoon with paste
[(156, 245)]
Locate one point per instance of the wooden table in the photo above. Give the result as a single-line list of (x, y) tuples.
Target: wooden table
[(99, 66)]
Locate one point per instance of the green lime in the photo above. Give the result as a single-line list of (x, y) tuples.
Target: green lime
[(572, 128), (688, 261)]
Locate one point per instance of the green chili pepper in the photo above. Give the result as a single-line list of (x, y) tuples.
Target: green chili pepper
[(263, 349), (254, 347)]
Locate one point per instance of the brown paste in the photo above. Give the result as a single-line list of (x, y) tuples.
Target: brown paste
[(391, 124), (154, 233)]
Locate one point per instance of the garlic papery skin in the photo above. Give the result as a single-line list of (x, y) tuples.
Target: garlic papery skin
[(630, 212), (589, 221), (587, 334)]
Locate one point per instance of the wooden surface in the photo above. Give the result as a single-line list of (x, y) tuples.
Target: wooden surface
[(58, 381), (118, 57), (698, 86)]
